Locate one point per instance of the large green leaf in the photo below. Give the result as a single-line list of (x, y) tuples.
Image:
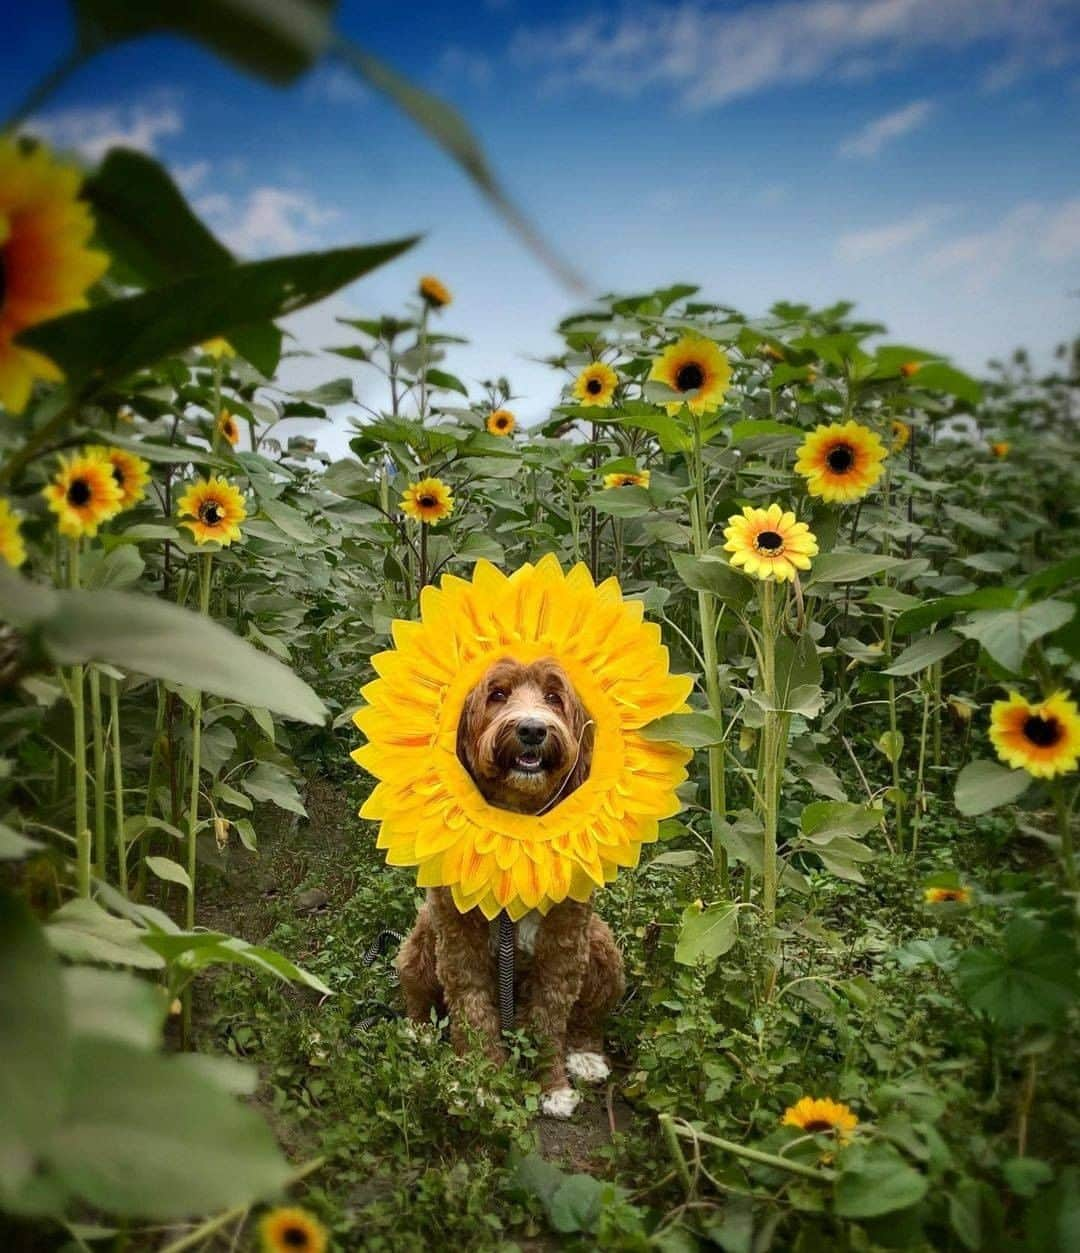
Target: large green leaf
[(875, 1180), (984, 785), (82, 931), (156, 638), (715, 575), (924, 653), (1031, 980), (112, 340), (1007, 634), (849, 567), (707, 934), (694, 730), (931, 611)]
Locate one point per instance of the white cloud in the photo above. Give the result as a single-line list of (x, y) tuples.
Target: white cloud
[(190, 177), (334, 84), (870, 140), (459, 65), (92, 131), (1060, 240), (978, 257), (878, 241), (707, 54), (269, 219)]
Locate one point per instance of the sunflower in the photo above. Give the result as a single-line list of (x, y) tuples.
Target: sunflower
[(944, 896), (841, 462), (218, 348), (1043, 739), (769, 543), (46, 268), (434, 293), (1000, 448), (596, 385), (217, 509), (501, 422), (909, 368), (12, 548), (290, 1229), (427, 501), (901, 433), (694, 364), (821, 1115), (432, 814), (83, 493), (226, 427), (635, 478), (129, 470)]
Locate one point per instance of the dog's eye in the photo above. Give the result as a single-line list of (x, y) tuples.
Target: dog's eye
[(497, 695), (554, 699)]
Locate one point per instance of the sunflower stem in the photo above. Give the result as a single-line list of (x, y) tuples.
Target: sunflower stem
[(1064, 818), (78, 713), (771, 753), (98, 739), (744, 1151), (920, 773), (423, 558), (118, 784)]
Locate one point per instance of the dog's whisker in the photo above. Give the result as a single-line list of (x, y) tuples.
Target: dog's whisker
[(570, 773)]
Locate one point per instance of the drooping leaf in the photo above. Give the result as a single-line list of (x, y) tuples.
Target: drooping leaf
[(875, 1180), (1007, 634), (707, 934), (1032, 979), (924, 653), (711, 574), (694, 730), (984, 785)]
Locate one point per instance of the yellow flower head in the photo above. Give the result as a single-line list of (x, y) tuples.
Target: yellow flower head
[(129, 470), (218, 348), (770, 350), (626, 478), (909, 368), (83, 493), (1000, 448), (841, 462), (46, 268), (290, 1229), (596, 385), (216, 508), (821, 1116), (769, 543), (944, 896), (1043, 739), (427, 501), (901, 433), (434, 293), (433, 815), (226, 427), (501, 422), (697, 365), (12, 548)]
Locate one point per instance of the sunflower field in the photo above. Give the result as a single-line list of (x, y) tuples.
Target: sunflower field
[(851, 1015)]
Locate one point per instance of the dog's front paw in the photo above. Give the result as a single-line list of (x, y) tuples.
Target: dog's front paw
[(559, 1104), (588, 1067)]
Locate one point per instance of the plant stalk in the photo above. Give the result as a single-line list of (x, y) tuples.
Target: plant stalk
[(118, 785)]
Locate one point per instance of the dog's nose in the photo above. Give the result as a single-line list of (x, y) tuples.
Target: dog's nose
[(532, 731)]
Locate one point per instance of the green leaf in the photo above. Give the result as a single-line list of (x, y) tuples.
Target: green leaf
[(875, 1180), (712, 574), (832, 818), (171, 871), (694, 730), (275, 39), (268, 783), (707, 933), (743, 432), (447, 382), (1007, 634), (82, 931), (1031, 980), (14, 846), (621, 502), (109, 341), (849, 567), (891, 743), (289, 520), (918, 619), (984, 785), (935, 376), (578, 1203), (924, 653), (113, 1005), (156, 638)]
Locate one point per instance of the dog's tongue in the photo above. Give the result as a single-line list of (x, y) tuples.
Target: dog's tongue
[(529, 760)]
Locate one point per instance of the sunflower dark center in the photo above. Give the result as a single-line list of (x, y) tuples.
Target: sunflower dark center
[(428, 502), (79, 493), (1042, 732), (211, 513), (840, 458), (689, 377), (294, 1237), (770, 541), (818, 1124), (118, 475), (594, 387)]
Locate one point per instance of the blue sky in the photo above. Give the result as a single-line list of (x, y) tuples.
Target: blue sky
[(917, 156)]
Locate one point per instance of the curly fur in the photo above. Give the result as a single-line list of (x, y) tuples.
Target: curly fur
[(526, 740)]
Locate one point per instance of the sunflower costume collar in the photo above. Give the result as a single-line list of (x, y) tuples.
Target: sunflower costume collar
[(433, 816)]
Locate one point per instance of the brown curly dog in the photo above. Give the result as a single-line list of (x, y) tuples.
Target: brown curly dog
[(526, 740)]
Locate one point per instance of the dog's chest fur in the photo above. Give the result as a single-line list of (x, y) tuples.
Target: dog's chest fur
[(525, 933)]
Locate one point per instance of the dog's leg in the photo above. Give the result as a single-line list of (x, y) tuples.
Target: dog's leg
[(601, 988), (549, 992), (465, 969), (416, 968)]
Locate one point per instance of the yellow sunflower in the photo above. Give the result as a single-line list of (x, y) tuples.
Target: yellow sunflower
[(432, 814), (1043, 739), (944, 896), (290, 1229), (218, 348), (901, 433), (841, 462), (129, 470), (216, 508), (12, 548), (1000, 448), (909, 368), (83, 493), (769, 543), (694, 364), (501, 422), (821, 1115), (596, 385), (434, 293), (226, 427), (46, 268), (626, 478), (427, 501)]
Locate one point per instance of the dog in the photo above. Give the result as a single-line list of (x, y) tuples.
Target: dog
[(526, 740)]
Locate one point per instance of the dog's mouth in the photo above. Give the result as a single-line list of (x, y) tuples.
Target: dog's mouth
[(529, 761)]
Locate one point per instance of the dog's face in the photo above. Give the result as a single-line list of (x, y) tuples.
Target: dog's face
[(525, 736)]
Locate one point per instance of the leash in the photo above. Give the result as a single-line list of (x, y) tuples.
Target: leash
[(377, 948), (506, 971)]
